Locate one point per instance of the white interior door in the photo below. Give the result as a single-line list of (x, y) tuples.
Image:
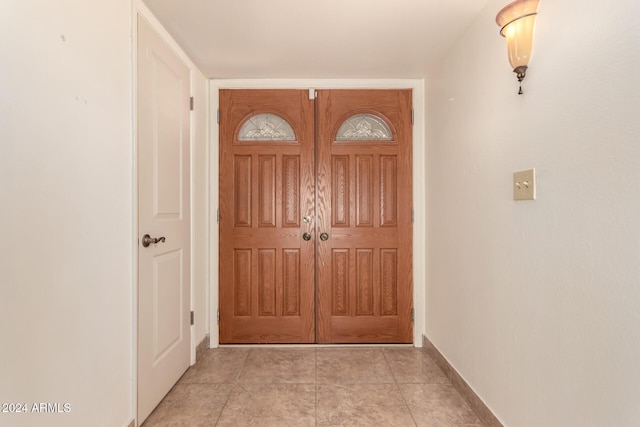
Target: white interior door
[(163, 213)]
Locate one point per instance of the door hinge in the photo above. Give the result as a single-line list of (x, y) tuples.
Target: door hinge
[(413, 314), (191, 103), (193, 318), (413, 216), (218, 316), (218, 216), (218, 116), (412, 116)]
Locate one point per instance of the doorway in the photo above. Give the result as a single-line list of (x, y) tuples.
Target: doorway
[(315, 216)]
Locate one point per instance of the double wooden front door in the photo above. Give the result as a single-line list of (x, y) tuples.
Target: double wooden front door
[(315, 216)]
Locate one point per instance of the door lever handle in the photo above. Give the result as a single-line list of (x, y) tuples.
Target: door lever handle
[(148, 240)]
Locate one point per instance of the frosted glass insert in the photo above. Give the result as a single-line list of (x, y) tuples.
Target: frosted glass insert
[(266, 127), (364, 127)]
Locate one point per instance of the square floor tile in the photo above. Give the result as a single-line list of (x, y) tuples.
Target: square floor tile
[(352, 366), (438, 405), (273, 405), (191, 405), (362, 405), (277, 365), (221, 365), (412, 365)]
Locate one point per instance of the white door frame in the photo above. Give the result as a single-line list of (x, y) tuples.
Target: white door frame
[(419, 181)]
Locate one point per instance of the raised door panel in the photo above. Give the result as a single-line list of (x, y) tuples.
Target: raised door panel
[(242, 191), (365, 288), (291, 186), (364, 191), (267, 191), (291, 282), (388, 191), (266, 273), (389, 282), (340, 281), (242, 269), (340, 191)]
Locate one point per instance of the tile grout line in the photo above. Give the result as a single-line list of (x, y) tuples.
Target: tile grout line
[(406, 404), (232, 386)]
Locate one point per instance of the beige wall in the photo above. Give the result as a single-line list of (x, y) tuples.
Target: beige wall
[(66, 211), (67, 270), (537, 303)]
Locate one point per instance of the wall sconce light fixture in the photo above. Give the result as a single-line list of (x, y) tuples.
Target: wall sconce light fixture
[(516, 22)]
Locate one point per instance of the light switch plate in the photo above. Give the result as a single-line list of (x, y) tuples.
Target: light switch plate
[(524, 185)]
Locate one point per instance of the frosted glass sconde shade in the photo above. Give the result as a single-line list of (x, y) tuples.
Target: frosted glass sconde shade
[(516, 21)]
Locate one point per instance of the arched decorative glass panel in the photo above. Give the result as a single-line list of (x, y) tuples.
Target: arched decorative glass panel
[(364, 127), (266, 127)]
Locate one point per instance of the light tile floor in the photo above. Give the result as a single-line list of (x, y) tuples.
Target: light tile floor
[(315, 386)]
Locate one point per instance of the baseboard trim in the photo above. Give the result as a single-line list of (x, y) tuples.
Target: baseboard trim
[(482, 411), (202, 347)]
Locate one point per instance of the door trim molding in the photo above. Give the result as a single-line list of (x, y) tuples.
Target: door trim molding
[(419, 179)]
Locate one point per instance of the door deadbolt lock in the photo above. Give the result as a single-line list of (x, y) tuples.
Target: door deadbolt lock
[(324, 237), (148, 240), (306, 236)]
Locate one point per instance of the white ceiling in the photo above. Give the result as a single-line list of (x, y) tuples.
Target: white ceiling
[(315, 38)]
